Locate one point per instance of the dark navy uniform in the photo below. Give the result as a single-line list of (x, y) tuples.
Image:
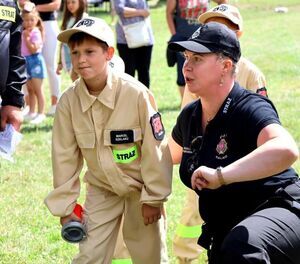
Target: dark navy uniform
[(231, 135), (12, 73)]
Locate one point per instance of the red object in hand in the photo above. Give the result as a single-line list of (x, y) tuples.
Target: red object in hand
[(78, 211)]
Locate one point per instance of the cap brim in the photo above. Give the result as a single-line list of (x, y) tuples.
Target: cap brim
[(188, 45), (65, 35), (202, 18)]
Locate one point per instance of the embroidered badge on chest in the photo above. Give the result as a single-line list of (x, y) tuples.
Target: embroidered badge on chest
[(157, 127), (121, 137), (222, 147)]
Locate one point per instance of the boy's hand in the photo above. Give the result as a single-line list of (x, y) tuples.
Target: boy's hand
[(69, 218), (151, 214)]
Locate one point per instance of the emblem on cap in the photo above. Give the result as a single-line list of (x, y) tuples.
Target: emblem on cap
[(196, 33), (85, 22), (221, 8), (222, 145)]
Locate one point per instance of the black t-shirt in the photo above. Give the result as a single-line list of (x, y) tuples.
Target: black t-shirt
[(45, 16), (231, 135)]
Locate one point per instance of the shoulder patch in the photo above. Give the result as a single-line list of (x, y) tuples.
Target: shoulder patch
[(8, 13), (157, 127)]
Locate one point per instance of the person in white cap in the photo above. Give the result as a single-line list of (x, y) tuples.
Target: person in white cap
[(249, 76), (109, 120)]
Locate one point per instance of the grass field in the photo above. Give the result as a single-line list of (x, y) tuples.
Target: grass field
[(30, 234)]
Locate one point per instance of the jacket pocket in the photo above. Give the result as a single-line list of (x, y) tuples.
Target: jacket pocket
[(86, 140)]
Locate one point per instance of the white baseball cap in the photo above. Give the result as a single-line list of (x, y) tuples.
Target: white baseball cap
[(96, 27), (227, 11)]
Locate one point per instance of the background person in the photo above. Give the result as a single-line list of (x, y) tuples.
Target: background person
[(13, 72), (234, 152), (135, 59), (249, 76), (182, 20), (32, 43), (47, 10), (73, 11), (122, 181)]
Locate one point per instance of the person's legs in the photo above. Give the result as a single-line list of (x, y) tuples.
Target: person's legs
[(102, 215), (31, 97), (143, 61), (49, 54), (270, 236), (128, 56), (39, 94), (143, 242)]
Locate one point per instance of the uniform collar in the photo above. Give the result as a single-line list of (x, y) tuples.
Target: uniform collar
[(225, 108), (106, 97)]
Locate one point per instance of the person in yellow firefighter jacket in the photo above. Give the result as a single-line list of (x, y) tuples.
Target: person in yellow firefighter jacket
[(110, 121)]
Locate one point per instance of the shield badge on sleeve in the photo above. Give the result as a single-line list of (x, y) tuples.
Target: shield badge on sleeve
[(157, 127)]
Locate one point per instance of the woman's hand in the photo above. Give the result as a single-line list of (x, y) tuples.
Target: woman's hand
[(151, 214), (205, 177)]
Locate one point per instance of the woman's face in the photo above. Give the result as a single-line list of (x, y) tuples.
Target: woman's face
[(73, 6), (201, 71)]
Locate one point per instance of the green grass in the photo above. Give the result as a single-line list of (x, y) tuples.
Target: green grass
[(30, 234)]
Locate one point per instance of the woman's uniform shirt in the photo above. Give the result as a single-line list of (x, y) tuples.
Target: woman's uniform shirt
[(119, 8), (120, 136), (231, 135)]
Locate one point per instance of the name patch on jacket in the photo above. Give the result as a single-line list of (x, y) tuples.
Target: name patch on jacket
[(121, 136), (8, 13), (125, 155), (157, 127)]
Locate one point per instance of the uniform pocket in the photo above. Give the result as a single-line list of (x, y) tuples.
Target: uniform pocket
[(86, 140)]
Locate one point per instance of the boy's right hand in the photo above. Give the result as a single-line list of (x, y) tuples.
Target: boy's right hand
[(69, 218), (151, 214)]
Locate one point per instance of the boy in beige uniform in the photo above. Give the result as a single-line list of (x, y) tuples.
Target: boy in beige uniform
[(109, 120), (248, 75)]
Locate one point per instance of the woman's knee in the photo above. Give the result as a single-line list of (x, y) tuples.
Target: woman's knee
[(236, 248)]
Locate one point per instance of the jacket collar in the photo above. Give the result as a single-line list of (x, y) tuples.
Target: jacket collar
[(106, 97)]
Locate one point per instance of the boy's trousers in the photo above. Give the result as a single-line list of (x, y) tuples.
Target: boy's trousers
[(103, 215)]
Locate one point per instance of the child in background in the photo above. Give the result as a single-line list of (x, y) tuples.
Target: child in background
[(32, 43), (109, 120), (73, 11)]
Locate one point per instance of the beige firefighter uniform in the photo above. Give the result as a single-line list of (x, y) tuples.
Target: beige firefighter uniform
[(120, 136), (185, 245)]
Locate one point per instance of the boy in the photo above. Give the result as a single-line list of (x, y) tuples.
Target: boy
[(129, 166)]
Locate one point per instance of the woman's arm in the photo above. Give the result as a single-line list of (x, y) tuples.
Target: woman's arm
[(49, 7), (176, 151), (276, 152), (171, 5)]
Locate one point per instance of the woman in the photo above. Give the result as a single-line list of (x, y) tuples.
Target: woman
[(236, 155), (135, 59), (47, 10)]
